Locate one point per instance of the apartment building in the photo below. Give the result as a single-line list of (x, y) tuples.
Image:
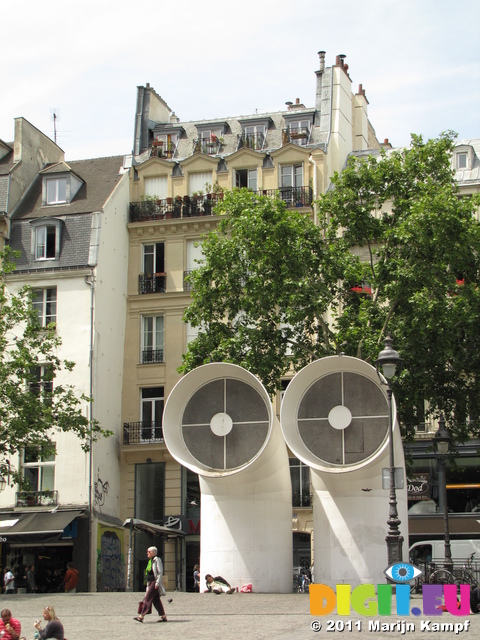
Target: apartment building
[(179, 170), (69, 223)]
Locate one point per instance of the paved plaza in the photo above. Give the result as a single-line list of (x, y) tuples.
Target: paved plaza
[(109, 616)]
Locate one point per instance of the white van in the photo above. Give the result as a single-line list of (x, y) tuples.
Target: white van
[(428, 550)]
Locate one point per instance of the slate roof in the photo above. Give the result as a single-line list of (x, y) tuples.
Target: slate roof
[(100, 176), (74, 245)]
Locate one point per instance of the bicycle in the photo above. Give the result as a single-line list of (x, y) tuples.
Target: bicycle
[(467, 575)]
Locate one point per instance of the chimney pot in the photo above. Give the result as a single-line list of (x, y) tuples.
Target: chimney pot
[(148, 85), (297, 100), (386, 141)]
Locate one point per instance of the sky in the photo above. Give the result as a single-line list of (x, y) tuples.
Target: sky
[(418, 61)]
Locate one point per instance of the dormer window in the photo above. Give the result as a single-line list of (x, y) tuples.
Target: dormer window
[(46, 239), (60, 185), (211, 137), (56, 190), (254, 133), (462, 160)]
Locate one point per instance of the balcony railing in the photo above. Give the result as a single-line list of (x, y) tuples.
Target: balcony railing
[(152, 356), (194, 206), (296, 196), (298, 135), (36, 498), (152, 283), (162, 150), (169, 208), (144, 432), (254, 141), (210, 147)]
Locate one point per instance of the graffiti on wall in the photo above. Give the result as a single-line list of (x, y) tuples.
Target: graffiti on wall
[(110, 562)]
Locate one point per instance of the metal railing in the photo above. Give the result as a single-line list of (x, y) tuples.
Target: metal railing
[(36, 498), (297, 135), (151, 283), (254, 141), (152, 356), (209, 147), (145, 432), (203, 205), (170, 208)]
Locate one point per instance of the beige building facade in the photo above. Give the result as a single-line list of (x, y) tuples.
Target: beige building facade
[(179, 171)]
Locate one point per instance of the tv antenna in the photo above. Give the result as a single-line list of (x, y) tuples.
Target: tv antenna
[(54, 118)]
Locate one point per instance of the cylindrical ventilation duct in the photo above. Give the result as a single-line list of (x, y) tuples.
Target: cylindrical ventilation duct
[(335, 418), (219, 422)]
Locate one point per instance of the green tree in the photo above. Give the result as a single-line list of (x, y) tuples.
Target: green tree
[(396, 251), (261, 296), (32, 405)]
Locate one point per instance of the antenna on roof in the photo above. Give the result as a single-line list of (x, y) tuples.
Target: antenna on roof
[(54, 118)]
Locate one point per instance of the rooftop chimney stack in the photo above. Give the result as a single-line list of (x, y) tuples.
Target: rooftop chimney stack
[(321, 55)]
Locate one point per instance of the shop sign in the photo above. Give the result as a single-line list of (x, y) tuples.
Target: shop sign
[(418, 486)]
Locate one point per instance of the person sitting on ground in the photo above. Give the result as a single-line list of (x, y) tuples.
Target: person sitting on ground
[(10, 628), (54, 628), (217, 585)]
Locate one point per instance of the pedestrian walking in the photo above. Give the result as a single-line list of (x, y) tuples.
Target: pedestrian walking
[(70, 580), (31, 583), (8, 581), (155, 588)]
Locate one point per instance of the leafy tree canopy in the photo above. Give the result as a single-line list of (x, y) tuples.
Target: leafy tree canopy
[(32, 404), (396, 251)]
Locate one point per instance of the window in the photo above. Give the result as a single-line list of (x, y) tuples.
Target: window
[(153, 278), (254, 136), (152, 339), (44, 302), (39, 469), (299, 131), (156, 187), (152, 414), (194, 256), (150, 492), (246, 178), (201, 181), (300, 475), (462, 161), (56, 190), (291, 184), (45, 242), (41, 383)]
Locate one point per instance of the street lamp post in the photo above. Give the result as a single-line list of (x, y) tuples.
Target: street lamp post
[(441, 444), (388, 360)]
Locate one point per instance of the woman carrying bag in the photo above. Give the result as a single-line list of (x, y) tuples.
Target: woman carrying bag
[(155, 588)]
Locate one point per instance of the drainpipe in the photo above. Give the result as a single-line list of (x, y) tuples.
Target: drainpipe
[(315, 215), (90, 280)]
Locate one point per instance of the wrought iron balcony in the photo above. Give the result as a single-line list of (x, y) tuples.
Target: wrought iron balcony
[(163, 150), (296, 196), (152, 283), (144, 432), (36, 498), (297, 135), (210, 146), (254, 141), (179, 207), (152, 356)]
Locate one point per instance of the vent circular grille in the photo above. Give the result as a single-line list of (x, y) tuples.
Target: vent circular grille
[(225, 424), (342, 418)]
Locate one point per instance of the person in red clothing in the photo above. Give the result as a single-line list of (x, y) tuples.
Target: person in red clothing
[(71, 578), (10, 628)]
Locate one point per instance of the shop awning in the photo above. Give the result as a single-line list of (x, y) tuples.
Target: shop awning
[(42, 526), (134, 524)]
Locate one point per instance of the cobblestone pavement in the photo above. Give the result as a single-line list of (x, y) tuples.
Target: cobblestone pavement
[(109, 616)]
